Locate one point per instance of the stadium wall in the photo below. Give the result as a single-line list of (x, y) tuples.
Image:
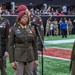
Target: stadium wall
[(12, 19)]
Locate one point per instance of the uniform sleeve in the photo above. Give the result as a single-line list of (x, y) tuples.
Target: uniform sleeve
[(11, 45), (7, 33)]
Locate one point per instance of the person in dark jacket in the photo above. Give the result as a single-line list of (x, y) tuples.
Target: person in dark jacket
[(4, 30), (72, 63), (22, 46)]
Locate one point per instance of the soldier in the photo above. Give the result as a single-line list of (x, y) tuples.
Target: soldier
[(55, 27), (67, 32), (22, 46), (36, 20), (59, 31), (48, 26), (4, 29), (72, 63), (70, 26)]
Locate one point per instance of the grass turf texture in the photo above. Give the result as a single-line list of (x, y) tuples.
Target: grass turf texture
[(66, 45), (55, 67), (46, 38), (51, 67)]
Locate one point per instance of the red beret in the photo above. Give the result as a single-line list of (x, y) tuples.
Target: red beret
[(20, 14), (21, 8)]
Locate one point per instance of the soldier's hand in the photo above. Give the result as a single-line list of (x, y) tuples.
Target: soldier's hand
[(6, 54), (35, 63), (13, 64)]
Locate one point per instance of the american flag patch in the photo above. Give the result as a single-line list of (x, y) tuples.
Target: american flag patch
[(40, 20), (10, 29)]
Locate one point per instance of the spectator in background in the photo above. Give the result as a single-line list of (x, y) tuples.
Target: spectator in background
[(12, 12), (59, 30), (70, 26), (55, 27), (63, 28), (48, 27), (51, 28), (64, 9), (52, 11), (67, 25), (61, 14), (56, 12)]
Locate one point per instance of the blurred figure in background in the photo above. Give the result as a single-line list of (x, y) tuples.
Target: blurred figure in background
[(48, 27), (55, 27), (63, 28), (72, 63), (51, 29), (4, 30), (59, 30), (70, 26)]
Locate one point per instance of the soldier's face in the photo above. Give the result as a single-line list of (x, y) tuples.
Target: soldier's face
[(24, 20)]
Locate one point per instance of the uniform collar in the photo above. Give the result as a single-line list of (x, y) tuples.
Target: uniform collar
[(22, 25)]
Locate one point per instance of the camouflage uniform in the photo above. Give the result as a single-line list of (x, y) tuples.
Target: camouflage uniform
[(67, 32), (70, 26), (48, 26), (59, 31), (4, 29), (55, 27)]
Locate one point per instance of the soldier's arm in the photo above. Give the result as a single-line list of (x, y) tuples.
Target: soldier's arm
[(7, 33), (11, 45)]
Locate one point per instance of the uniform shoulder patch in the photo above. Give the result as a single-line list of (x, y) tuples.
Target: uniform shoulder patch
[(40, 20), (10, 30)]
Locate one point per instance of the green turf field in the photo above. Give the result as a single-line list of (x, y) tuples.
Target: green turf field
[(66, 45), (56, 66), (58, 37)]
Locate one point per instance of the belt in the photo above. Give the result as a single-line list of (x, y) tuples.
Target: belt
[(23, 45)]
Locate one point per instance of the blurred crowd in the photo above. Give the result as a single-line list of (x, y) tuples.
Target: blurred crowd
[(64, 10)]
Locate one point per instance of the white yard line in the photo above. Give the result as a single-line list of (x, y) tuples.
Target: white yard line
[(59, 41), (56, 57), (59, 48)]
